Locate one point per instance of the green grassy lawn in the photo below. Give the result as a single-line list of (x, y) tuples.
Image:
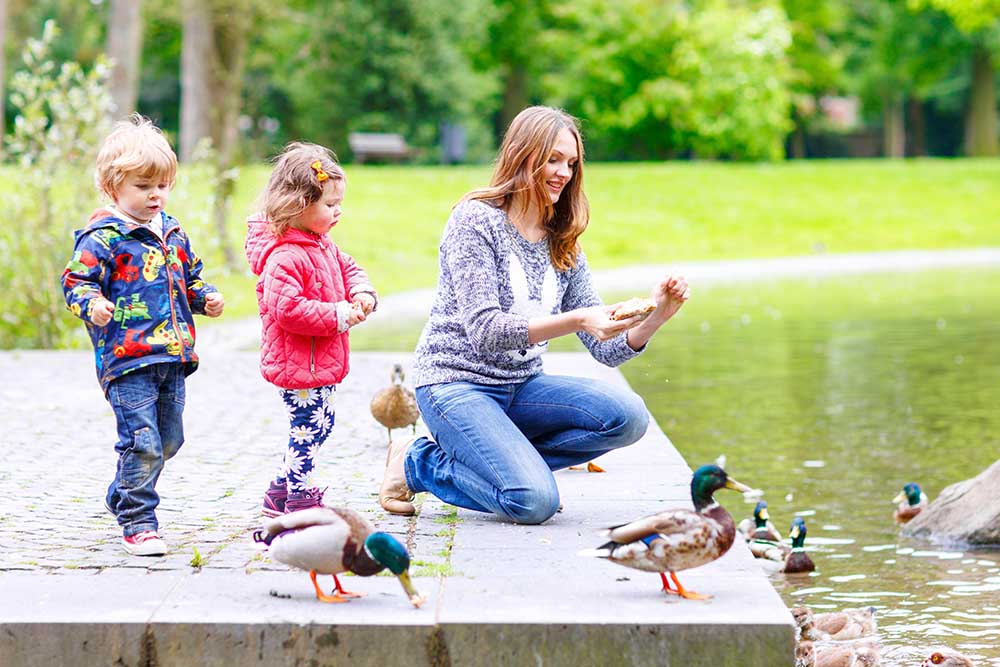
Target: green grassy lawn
[(640, 213)]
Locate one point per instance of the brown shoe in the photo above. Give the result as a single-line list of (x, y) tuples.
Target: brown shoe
[(394, 496)]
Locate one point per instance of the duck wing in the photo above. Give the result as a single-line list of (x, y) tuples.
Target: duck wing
[(666, 523), (314, 516)]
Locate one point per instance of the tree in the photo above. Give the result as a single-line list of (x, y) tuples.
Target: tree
[(663, 79), (125, 50), (817, 56), (981, 20), (198, 47), (3, 71), (382, 66), (897, 56), (62, 113), (516, 49)]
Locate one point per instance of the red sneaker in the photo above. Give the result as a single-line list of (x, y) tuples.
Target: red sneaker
[(146, 543)]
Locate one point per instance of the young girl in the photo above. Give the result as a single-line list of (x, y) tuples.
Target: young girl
[(512, 276), (309, 294)]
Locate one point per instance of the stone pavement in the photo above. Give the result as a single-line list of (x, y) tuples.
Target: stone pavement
[(498, 593)]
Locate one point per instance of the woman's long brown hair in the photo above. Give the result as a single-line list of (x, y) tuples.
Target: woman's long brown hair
[(519, 170)]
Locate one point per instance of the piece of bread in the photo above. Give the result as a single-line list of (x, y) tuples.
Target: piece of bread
[(637, 306)]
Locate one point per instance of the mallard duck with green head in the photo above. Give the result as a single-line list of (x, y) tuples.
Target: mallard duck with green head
[(332, 540), (910, 502), (759, 527), (798, 560), (677, 539)]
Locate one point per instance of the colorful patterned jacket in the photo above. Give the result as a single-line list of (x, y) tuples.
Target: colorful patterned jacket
[(155, 286), (303, 292)]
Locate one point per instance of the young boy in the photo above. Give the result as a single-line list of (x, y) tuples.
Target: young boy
[(135, 282)]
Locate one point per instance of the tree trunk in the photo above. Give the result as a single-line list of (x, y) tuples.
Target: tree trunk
[(981, 118), (232, 32), (918, 127), (125, 49), (894, 129), (797, 143), (197, 52), (3, 73), (515, 95)]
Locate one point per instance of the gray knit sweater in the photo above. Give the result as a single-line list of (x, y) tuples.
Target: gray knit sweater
[(491, 281)]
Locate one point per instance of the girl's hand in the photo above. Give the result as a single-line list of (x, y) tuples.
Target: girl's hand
[(366, 301), (597, 321), (357, 314), (102, 311), (214, 304)]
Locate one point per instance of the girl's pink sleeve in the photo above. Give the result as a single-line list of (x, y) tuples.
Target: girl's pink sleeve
[(355, 278)]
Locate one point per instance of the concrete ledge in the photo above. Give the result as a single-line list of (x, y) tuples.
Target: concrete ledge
[(498, 594)]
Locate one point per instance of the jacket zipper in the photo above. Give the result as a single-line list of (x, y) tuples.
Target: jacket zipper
[(170, 290), (312, 356)]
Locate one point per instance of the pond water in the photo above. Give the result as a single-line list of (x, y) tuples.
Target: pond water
[(830, 395)]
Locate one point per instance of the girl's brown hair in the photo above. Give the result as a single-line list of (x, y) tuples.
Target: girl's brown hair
[(296, 184), (519, 171)]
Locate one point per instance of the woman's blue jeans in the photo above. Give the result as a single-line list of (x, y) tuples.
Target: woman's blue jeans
[(495, 446), (148, 404)]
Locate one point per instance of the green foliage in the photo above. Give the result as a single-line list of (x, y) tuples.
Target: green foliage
[(62, 113), (969, 15), (654, 80), (379, 66), (895, 51)]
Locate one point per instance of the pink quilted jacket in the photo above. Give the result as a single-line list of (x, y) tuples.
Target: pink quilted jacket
[(304, 288)]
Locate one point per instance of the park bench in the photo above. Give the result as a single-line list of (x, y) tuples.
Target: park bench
[(378, 145)]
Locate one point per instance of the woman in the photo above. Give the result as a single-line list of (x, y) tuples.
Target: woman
[(513, 276)]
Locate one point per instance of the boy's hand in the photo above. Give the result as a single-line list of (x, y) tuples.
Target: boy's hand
[(214, 303), (366, 301), (102, 311)]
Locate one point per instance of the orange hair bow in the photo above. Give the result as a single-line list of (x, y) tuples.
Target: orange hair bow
[(320, 174)]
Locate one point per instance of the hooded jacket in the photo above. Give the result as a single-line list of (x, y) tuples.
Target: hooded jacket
[(155, 285), (304, 290)]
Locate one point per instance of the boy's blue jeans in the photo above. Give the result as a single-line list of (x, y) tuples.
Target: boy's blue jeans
[(148, 404), (495, 447)]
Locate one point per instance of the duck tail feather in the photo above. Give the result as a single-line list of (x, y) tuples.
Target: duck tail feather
[(603, 551)]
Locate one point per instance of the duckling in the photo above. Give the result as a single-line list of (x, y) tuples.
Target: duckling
[(676, 539), (945, 657), (798, 560), (395, 406), (858, 654), (331, 540), (910, 502), (837, 625)]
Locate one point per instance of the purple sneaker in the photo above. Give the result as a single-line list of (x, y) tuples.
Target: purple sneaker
[(274, 500), (305, 500)]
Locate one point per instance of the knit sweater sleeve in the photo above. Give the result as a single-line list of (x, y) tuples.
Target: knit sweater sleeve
[(581, 293), (470, 256)]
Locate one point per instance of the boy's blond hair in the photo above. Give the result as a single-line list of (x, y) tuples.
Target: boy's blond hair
[(134, 146), (295, 183)]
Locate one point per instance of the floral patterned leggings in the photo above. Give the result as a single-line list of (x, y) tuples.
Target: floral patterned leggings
[(311, 414)]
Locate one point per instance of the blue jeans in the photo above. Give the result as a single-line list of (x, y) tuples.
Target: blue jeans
[(148, 404), (495, 447)]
